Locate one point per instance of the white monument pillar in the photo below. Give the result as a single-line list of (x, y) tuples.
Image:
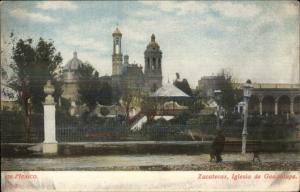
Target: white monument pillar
[(50, 143)]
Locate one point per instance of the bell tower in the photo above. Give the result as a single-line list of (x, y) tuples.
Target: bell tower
[(153, 65), (117, 52)]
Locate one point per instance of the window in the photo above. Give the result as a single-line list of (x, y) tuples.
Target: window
[(117, 45), (153, 63), (117, 49)]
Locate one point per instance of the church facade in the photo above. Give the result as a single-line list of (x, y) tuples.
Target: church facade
[(131, 76)]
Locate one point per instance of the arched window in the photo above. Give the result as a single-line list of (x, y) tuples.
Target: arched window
[(117, 45), (117, 49), (153, 63), (152, 67)]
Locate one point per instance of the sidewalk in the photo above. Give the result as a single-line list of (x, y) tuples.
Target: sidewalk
[(142, 148), (232, 161)]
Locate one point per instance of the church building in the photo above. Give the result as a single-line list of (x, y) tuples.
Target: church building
[(126, 76), (130, 76)]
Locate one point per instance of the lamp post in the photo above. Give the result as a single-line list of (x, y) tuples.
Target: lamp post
[(217, 95), (247, 88)]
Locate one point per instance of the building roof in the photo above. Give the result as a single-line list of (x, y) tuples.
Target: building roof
[(74, 63), (117, 32), (169, 90), (269, 86), (153, 44)]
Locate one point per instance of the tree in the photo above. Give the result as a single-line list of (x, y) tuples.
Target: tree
[(88, 85), (32, 67), (196, 104), (183, 85), (127, 98), (229, 96), (149, 109), (90, 89), (105, 94)]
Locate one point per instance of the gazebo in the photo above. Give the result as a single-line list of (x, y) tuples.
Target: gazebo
[(167, 94)]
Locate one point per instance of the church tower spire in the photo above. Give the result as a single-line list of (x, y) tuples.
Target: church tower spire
[(117, 52), (153, 65)]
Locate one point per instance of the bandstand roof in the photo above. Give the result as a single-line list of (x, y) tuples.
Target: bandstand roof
[(169, 90)]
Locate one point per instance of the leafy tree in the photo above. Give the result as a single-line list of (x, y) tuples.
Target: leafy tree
[(149, 109), (229, 95), (90, 88), (105, 94), (33, 65), (183, 85), (196, 104), (127, 98), (88, 85)]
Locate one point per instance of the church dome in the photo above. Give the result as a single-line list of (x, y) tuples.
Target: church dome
[(117, 32), (74, 63), (153, 44)]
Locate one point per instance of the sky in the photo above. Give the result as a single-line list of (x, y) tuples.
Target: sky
[(257, 40)]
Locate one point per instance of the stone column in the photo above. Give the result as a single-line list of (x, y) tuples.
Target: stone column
[(276, 105), (292, 105), (50, 143)]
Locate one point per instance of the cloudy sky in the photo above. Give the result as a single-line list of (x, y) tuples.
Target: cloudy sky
[(253, 39)]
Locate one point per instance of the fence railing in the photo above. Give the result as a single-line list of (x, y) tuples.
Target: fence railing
[(14, 129), (72, 129)]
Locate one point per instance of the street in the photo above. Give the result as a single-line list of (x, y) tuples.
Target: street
[(231, 161)]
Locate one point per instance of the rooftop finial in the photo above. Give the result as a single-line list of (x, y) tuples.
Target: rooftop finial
[(117, 31)]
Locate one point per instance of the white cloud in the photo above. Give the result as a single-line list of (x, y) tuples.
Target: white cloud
[(236, 10), (179, 7), (144, 13), (211, 22), (80, 41), (163, 26), (36, 17), (54, 5)]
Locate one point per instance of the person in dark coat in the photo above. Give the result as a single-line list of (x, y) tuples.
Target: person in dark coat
[(218, 145)]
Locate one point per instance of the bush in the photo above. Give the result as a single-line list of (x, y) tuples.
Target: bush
[(204, 123), (263, 128)]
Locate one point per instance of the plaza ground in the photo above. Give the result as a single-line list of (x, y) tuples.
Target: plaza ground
[(147, 162)]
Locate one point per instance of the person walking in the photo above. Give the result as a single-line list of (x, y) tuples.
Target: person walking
[(218, 145)]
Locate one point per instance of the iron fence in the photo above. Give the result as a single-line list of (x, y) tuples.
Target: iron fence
[(14, 129), (73, 129), (98, 129)]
